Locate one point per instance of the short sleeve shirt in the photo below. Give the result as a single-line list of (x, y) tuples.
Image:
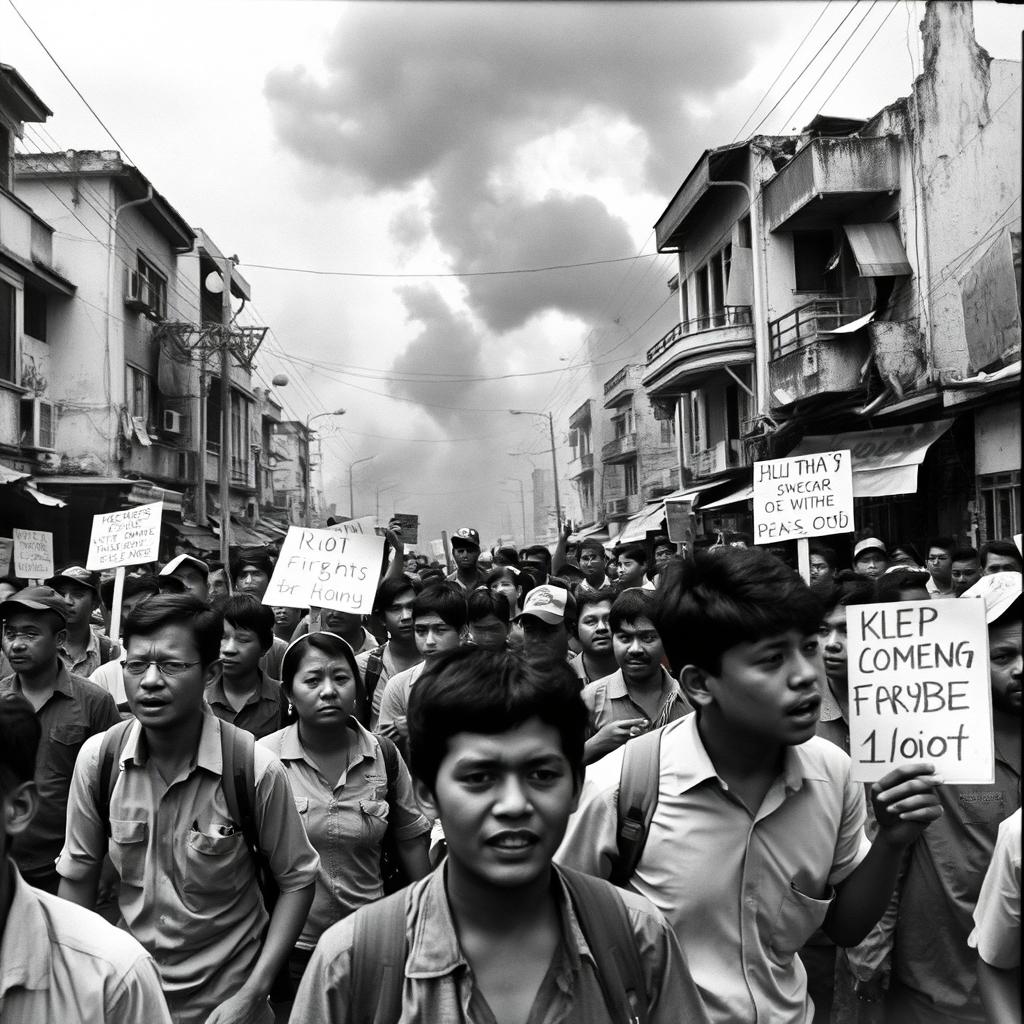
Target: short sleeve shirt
[(346, 820), (741, 922), (265, 711), (76, 710), (395, 703), (996, 933), (608, 700), (91, 658), (61, 963), (188, 886)]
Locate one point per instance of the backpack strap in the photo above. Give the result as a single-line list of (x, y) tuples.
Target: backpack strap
[(378, 961), (391, 758), (238, 781), (606, 926), (638, 797), (108, 769), (372, 672)]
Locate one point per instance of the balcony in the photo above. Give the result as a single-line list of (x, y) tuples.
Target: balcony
[(695, 349), (809, 360), (618, 388), (621, 449), (581, 416), (829, 179), (724, 455), (580, 466), (27, 241), (616, 508)]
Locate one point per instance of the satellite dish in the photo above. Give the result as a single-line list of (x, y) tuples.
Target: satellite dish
[(213, 283)]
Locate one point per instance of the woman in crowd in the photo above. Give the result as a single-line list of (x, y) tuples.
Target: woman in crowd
[(350, 791)]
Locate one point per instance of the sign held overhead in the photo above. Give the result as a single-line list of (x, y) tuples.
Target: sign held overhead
[(803, 496), (125, 538), (33, 554)]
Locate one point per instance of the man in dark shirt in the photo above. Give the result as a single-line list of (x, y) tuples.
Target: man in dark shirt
[(69, 708)]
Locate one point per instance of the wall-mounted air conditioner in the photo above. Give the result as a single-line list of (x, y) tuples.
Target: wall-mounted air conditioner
[(38, 423)]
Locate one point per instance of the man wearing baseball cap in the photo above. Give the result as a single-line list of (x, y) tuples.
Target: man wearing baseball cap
[(870, 558), (934, 970), (70, 709), (86, 647), (465, 544), (192, 571), (548, 619)]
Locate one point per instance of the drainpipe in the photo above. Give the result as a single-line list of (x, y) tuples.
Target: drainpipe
[(760, 314), (111, 249)]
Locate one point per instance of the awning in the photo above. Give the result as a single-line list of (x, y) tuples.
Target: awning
[(884, 461), (197, 536), (637, 525), (44, 499), (878, 250), (597, 530), (10, 476), (693, 492), (744, 493), (145, 493)]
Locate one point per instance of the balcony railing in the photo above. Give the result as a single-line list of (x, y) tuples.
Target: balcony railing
[(616, 379), (581, 464), (730, 316), (622, 506), (803, 324), (619, 447)]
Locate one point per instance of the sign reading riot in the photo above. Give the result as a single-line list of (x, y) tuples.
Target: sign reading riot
[(919, 689)]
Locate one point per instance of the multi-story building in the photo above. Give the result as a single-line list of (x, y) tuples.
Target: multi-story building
[(857, 286)]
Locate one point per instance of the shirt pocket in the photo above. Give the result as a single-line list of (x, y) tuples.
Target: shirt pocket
[(128, 850), (799, 916), (213, 867), (374, 814), (64, 744), (302, 804)]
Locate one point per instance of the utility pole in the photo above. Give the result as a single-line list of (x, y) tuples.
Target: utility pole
[(225, 420)]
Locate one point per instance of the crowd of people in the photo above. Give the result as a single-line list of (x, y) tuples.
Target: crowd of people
[(530, 786)]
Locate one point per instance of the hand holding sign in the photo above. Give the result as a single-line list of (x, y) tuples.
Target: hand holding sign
[(905, 804)]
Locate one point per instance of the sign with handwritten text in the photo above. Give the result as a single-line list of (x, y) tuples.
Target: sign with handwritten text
[(33, 554), (129, 537), (326, 569), (919, 689), (803, 496)]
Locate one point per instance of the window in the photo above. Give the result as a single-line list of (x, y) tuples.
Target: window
[(1000, 504), (156, 288), (743, 235), (35, 314), (587, 495), (813, 255), (584, 441), (629, 476), (8, 339), (668, 431), (696, 422), (241, 445), (141, 396)]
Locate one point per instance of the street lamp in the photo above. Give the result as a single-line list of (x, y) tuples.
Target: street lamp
[(554, 464), (351, 499), (309, 419), (522, 501)]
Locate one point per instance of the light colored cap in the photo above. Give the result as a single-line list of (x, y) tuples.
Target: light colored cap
[(868, 544), (998, 591), (546, 603), (179, 560)]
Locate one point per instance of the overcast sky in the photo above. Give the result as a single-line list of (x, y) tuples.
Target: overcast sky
[(431, 139)]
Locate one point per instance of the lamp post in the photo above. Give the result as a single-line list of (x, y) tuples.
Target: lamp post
[(351, 497), (309, 419), (522, 500), (554, 464)]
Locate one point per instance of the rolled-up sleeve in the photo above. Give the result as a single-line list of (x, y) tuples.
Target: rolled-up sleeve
[(393, 707), (408, 822), (85, 837), (293, 861)]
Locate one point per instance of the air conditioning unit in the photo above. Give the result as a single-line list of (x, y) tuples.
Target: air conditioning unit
[(38, 423), (172, 422), (136, 291)]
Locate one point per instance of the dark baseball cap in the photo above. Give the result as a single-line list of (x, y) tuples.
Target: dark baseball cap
[(465, 537), (79, 576), (37, 599)]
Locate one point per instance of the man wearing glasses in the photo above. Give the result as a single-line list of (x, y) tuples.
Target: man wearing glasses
[(188, 888), (70, 709)]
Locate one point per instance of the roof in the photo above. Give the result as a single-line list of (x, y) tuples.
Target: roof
[(19, 99)]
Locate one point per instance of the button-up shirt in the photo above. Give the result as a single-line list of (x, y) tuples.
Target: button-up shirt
[(265, 709), (346, 820), (91, 658), (741, 923), (608, 700), (188, 885), (60, 963), (76, 710), (439, 984), (996, 934), (467, 588), (395, 703)]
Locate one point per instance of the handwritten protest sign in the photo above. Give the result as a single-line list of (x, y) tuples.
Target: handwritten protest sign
[(366, 525), (125, 538), (6, 554), (679, 521), (802, 496), (33, 554), (919, 689), (409, 525), (326, 569)]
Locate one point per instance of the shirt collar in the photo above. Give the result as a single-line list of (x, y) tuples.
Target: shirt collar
[(365, 746), (61, 684), (266, 690), (25, 949), (831, 710), (434, 945), (208, 752)]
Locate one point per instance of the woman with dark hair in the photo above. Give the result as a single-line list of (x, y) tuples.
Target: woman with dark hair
[(350, 789)]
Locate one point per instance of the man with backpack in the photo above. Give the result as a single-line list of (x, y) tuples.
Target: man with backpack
[(497, 932), (200, 824)]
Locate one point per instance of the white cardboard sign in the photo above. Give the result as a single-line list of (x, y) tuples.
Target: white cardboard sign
[(125, 538), (33, 554), (919, 689), (803, 496), (326, 569)]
